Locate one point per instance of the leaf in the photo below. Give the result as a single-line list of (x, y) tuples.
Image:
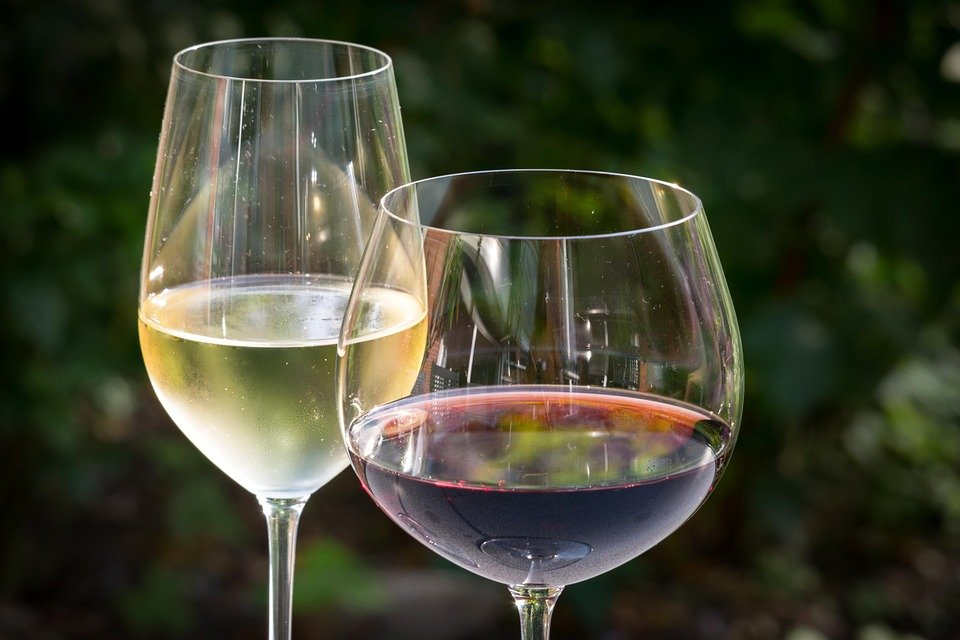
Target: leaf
[(330, 575), (201, 509), (157, 605)]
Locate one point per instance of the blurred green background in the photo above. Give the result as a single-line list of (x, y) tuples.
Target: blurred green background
[(824, 138)]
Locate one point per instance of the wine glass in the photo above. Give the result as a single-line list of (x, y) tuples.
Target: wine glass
[(272, 156), (541, 373)]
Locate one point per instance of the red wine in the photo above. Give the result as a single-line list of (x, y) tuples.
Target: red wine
[(538, 485)]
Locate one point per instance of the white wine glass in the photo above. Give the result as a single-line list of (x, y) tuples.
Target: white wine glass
[(541, 374), (272, 156)]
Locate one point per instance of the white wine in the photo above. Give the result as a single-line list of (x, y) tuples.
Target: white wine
[(245, 366)]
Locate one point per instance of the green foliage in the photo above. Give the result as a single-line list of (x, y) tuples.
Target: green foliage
[(823, 139), (202, 510), (332, 576), (157, 605)]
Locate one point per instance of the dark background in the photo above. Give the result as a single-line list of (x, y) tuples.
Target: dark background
[(823, 137)]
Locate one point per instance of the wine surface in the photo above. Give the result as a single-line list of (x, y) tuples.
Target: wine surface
[(538, 485), (245, 366)]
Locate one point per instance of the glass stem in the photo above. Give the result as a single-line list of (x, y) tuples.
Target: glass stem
[(535, 604), (283, 516)]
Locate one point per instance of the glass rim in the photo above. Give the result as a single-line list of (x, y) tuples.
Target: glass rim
[(386, 62), (695, 211)]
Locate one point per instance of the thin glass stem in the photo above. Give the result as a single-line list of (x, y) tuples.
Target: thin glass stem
[(283, 516), (535, 604)]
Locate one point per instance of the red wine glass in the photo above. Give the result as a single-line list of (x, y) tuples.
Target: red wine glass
[(541, 374)]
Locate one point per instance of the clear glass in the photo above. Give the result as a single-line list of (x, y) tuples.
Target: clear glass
[(561, 388), (272, 156)]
